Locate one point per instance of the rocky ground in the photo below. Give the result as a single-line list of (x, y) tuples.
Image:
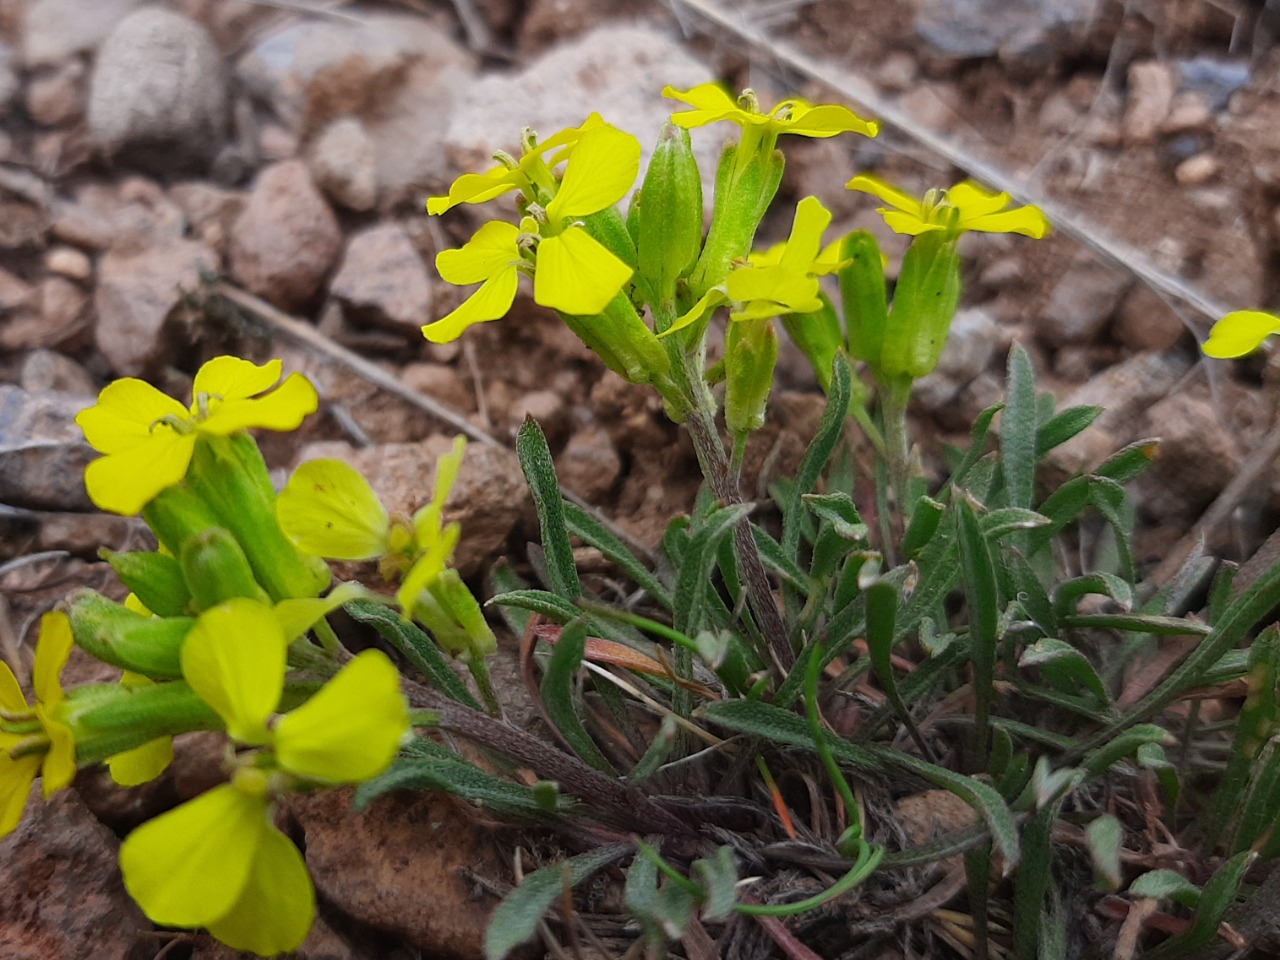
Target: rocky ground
[(148, 149)]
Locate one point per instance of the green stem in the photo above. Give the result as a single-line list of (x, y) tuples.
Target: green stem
[(868, 859), (328, 639)]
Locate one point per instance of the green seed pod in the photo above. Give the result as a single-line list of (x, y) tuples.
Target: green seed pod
[(669, 216), (924, 304), (743, 194), (229, 474), (818, 336), (217, 569), (114, 634), (750, 355), (862, 294), (155, 578)]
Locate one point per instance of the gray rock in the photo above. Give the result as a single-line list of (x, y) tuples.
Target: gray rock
[(613, 69), (1216, 79), (1082, 301), (287, 239), (136, 298), (383, 281), (50, 370), (42, 452), (56, 97), (62, 895), (983, 28), (158, 92), (344, 163), (54, 30)]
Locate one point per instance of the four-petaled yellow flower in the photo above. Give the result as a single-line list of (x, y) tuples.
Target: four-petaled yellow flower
[(148, 437), (572, 271), (781, 280), (966, 206), (711, 104), (219, 861), (329, 509), (33, 739), (1240, 332)]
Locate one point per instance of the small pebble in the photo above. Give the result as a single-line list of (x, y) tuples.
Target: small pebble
[(1197, 170)]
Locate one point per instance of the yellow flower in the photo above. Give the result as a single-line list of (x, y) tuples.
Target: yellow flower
[(712, 104), (782, 280), (329, 509), (966, 206), (148, 438), (531, 173), (1240, 332), (572, 271), (219, 861), (48, 748)]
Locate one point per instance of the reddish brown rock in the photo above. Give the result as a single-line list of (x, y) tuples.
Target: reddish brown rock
[(136, 300), (383, 281), (61, 893), (55, 97), (287, 239), (396, 867), (589, 464)]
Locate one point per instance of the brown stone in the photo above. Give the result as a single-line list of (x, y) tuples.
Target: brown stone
[(287, 239), (589, 464), (383, 281), (68, 262), (395, 866), (56, 97), (1151, 89), (441, 382)]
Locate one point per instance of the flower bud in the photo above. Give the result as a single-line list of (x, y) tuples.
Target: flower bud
[(668, 216), (217, 569), (924, 304), (229, 474), (112, 719), (114, 634), (750, 354), (818, 336), (862, 294), (175, 514), (451, 613), (155, 578)]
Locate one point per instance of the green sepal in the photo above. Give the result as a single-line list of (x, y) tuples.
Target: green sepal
[(819, 338), (114, 634), (155, 579), (668, 216), (175, 514), (863, 296), (448, 609), (115, 717), (215, 566), (229, 474), (924, 304), (750, 355)]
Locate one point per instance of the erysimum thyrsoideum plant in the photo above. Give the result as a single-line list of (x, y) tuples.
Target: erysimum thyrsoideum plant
[(721, 669)]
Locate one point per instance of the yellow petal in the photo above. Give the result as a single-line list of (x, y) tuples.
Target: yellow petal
[(426, 522), (188, 867), (891, 195), (476, 188), (910, 224), (234, 658), (230, 378), (825, 120), (427, 567), (351, 729), (58, 768), (298, 615), (490, 302), (284, 408), (141, 764), (770, 292), (124, 415), (329, 509), (1029, 221), (277, 902), (126, 481), (16, 777), (1240, 332), (710, 103), (601, 169), (11, 697), (567, 137), (576, 274), (974, 200), (491, 250), (709, 301), (52, 650), (811, 220)]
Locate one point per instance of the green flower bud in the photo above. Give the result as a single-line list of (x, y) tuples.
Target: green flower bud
[(750, 354), (668, 216), (133, 641), (175, 514), (862, 294), (217, 569), (155, 578), (924, 304), (229, 474), (113, 718), (818, 336), (448, 609)]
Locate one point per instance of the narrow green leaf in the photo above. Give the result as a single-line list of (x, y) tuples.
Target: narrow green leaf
[(718, 877), (1005, 520), (981, 429), (1065, 667), (819, 452), (1061, 427), (1165, 885), (593, 533), (882, 612), (418, 648), (458, 777), (540, 473), (515, 920), (1218, 894), (550, 605), (1128, 462), (1136, 623), (773, 557), (559, 694), (1104, 837), (1018, 430), (983, 606), (694, 576), (1102, 584), (923, 525)]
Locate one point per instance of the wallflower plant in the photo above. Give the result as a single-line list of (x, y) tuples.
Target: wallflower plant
[(947, 624)]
